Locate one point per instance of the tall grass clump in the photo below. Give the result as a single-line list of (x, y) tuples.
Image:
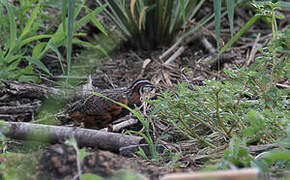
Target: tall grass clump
[(147, 23)]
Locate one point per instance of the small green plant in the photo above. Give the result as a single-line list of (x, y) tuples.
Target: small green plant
[(66, 33), (237, 154), (225, 107), (213, 107), (28, 40), (14, 47)]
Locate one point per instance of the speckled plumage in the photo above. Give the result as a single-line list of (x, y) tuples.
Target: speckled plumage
[(94, 111)]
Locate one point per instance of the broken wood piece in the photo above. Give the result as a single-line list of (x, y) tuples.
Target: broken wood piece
[(58, 134), (243, 174), (145, 64), (122, 125), (179, 51), (169, 51), (125, 124), (208, 45)]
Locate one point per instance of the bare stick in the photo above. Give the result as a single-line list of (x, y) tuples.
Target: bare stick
[(125, 124), (254, 50), (208, 45), (57, 134), (122, 125), (170, 50), (145, 64), (175, 55)]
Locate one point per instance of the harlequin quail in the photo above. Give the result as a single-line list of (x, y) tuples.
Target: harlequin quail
[(97, 112)]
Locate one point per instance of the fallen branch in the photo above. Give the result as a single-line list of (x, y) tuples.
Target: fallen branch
[(57, 134), (29, 90)]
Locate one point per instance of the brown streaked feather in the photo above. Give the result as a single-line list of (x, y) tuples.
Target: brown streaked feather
[(95, 111)]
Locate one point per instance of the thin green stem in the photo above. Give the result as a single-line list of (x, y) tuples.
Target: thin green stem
[(218, 114), (201, 120), (193, 134)]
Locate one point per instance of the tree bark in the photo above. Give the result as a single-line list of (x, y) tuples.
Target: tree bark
[(57, 134)]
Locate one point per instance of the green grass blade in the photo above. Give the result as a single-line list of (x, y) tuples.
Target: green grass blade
[(1, 57), (82, 43), (174, 17), (78, 8), (70, 25), (97, 23), (38, 63), (57, 38), (37, 49), (31, 20), (59, 56), (182, 10), (114, 17), (230, 9), (196, 8), (63, 14), (103, 50), (217, 20), (84, 20), (12, 26), (34, 38), (240, 33), (10, 59), (195, 28)]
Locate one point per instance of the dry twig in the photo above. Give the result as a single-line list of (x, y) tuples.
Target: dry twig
[(253, 51)]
